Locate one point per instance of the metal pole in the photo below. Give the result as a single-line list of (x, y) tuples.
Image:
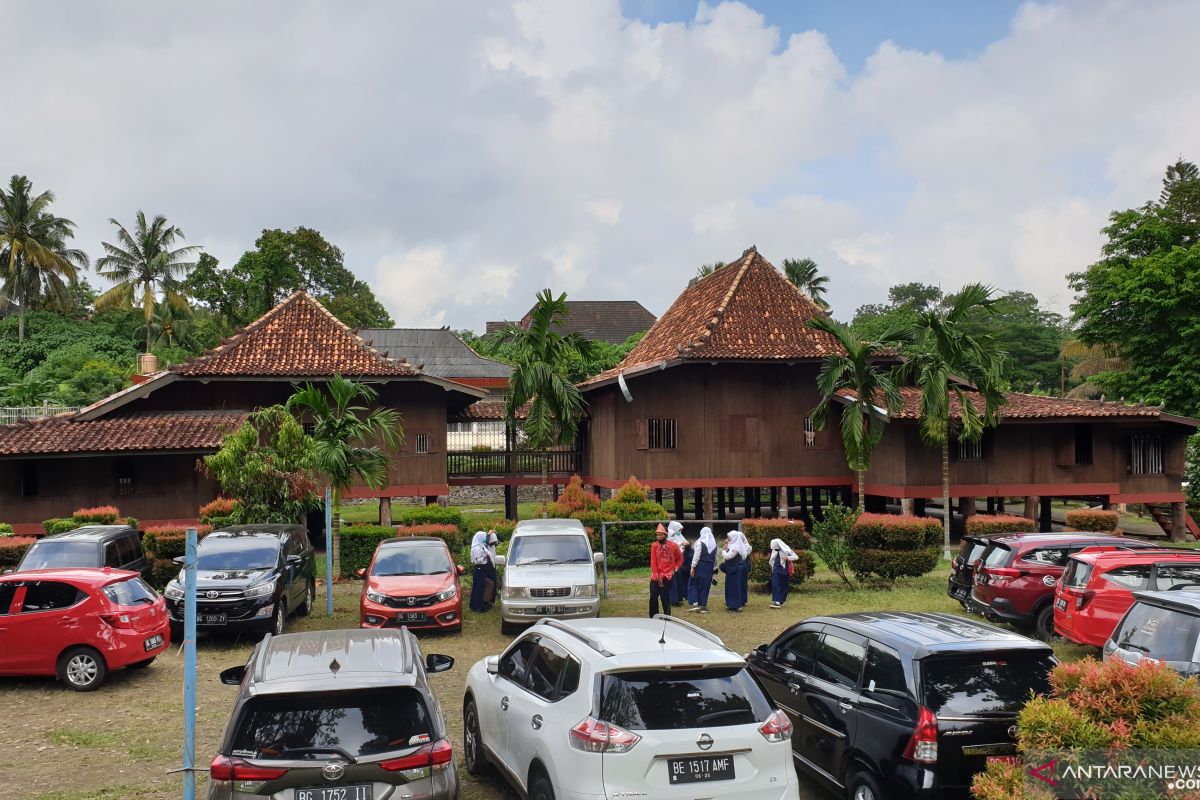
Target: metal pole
[(328, 551), (604, 549), (189, 666)]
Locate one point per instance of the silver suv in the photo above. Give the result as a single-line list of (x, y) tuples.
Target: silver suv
[(550, 571), (335, 715)]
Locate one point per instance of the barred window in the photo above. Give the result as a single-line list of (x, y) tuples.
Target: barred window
[(421, 443), (1146, 454), (660, 434), (970, 450), (810, 432)]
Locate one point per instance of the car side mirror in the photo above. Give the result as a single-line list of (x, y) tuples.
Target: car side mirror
[(501, 561), (597, 558), (493, 665), (762, 650), (180, 560), (436, 662), (361, 572), (460, 569), (233, 676), (294, 561)]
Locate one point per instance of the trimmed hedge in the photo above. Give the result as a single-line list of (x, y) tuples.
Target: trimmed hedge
[(993, 524), (12, 548), (891, 564), (219, 512), (1092, 520), (760, 532), (425, 515), (162, 571), (890, 547), (359, 541), (450, 534), (166, 542), (59, 525), (100, 515)]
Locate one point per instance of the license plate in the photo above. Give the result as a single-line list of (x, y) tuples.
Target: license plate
[(357, 791), (1004, 759), (411, 616), (959, 592), (700, 769), (211, 619), (1061, 604), (551, 609), (153, 642)]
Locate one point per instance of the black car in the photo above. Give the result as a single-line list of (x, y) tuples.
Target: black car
[(116, 546), (962, 568), (248, 577), (900, 705)]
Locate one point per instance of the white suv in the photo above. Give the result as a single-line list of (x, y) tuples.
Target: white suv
[(626, 708), (549, 572)]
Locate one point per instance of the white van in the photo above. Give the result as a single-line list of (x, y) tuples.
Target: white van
[(550, 571)]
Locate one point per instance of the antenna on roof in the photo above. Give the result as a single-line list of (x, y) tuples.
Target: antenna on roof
[(663, 638)]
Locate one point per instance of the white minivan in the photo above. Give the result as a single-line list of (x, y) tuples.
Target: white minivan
[(550, 571)]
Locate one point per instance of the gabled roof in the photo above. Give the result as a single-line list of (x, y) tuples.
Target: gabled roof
[(611, 321), (297, 338), (164, 430), (435, 351), (745, 311)]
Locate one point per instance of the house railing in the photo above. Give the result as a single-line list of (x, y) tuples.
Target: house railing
[(11, 415), (512, 462)]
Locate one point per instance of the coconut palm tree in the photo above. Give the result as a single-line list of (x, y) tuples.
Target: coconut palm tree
[(944, 361), (1090, 360), (144, 263), (705, 270), (34, 256), (803, 274), (865, 386), (171, 324)]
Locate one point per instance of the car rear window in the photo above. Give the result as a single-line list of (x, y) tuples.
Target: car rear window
[(997, 555), (132, 592), (1177, 576), (1158, 632), (963, 686), (47, 554), (1077, 573), (656, 700), (316, 726), (975, 552)]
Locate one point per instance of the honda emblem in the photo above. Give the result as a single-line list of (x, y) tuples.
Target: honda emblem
[(412, 601)]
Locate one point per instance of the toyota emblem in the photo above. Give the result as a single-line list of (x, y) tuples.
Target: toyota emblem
[(333, 772), (1012, 731), (704, 742), (212, 595)]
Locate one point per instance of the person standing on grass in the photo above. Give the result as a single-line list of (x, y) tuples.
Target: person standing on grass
[(704, 563), (782, 557), (735, 563), (483, 570), (679, 584), (665, 560)]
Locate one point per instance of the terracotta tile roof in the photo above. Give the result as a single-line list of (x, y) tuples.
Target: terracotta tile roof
[(297, 338), (485, 410), (1028, 406), (611, 321), (168, 430), (746, 310)]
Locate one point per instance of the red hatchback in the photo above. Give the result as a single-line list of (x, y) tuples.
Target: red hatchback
[(413, 582), (79, 624), (1097, 587)]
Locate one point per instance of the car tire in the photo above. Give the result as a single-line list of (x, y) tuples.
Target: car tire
[(82, 668), (279, 618), (310, 598), (140, 664), (1043, 624), (540, 788), (473, 755), (863, 786)]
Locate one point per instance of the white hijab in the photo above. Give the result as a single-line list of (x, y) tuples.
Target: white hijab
[(675, 534), (779, 549), (707, 539), (736, 544), (480, 552)]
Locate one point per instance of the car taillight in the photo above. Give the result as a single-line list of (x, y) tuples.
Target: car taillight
[(1003, 573), (1083, 598), (224, 768), (117, 620), (435, 754), (777, 728), (922, 747), (594, 736)]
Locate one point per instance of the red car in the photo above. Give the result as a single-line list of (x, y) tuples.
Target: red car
[(413, 582), (1097, 588), (1015, 578), (79, 624)]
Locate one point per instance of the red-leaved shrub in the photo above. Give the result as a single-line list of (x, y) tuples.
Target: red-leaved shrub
[(1092, 519), (12, 548), (100, 515), (992, 524)]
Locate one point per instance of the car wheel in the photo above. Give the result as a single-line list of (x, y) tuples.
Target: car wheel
[(863, 786), (82, 668), (280, 619), (310, 598), (140, 664), (1043, 624), (477, 763), (540, 788)]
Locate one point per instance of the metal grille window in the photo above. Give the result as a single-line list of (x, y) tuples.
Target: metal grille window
[(1146, 454), (660, 434), (124, 478), (969, 450), (421, 443), (810, 433)]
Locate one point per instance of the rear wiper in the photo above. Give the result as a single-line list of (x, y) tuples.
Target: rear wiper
[(1133, 646), (144, 600), (335, 750), (703, 718)]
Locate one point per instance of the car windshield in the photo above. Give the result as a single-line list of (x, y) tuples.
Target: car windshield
[(50, 553), (132, 592), (996, 682), (320, 726), (416, 560), (218, 554), (568, 548), (1077, 573), (996, 556), (1157, 632), (656, 700)]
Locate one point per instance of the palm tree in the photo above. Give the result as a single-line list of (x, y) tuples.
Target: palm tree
[(142, 265), (33, 252), (705, 270), (346, 433), (869, 390), (1091, 360), (171, 324), (803, 275), (945, 361)]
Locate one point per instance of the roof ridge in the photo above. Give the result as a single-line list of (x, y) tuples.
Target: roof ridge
[(719, 312)]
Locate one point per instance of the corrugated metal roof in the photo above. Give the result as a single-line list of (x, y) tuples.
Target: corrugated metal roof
[(437, 351)]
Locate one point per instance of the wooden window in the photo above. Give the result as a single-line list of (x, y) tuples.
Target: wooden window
[(745, 434), (1146, 454), (123, 477), (421, 443), (29, 479), (970, 450), (660, 434), (1083, 445)]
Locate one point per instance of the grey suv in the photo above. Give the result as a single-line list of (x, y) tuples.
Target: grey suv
[(116, 546), (336, 715)]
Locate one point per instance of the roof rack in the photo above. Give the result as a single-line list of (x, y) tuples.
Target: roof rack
[(712, 637), (559, 625)]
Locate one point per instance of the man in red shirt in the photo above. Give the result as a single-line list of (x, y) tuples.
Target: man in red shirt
[(665, 559)]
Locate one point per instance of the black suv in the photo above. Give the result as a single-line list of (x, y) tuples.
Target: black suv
[(901, 705), (248, 577), (336, 715), (962, 568), (116, 546)]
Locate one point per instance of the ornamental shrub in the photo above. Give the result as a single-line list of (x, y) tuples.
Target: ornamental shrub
[(889, 547), (219, 513), (359, 543), (162, 571), (994, 524), (425, 515), (5, 529), (448, 533), (760, 532), (831, 540), (628, 545), (169, 541), (1092, 519), (59, 525), (632, 492), (574, 499), (12, 549), (100, 515)]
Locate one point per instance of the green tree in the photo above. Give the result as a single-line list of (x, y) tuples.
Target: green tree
[(860, 373), (171, 324), (217, 291), (144, 263), (33, 249), (1191, 471), (1089, 361), (831, 540), (29, 391), (943, 360), (804, 275), (704, 270)]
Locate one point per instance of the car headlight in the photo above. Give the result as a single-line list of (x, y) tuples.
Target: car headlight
[(376, 597), (262, 590), (586, 591), (513, 592), (445, 595), (173, 591)]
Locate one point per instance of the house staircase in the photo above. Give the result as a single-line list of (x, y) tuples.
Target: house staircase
[(1161, 513)]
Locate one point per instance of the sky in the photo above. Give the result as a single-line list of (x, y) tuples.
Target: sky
[(466, 155)]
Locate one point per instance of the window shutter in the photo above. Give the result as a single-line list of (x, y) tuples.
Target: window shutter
[(1064, 447), (753, 434), (737, 433), (643, 436)]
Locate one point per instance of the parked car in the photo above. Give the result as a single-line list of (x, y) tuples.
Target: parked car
[(625, 708), (549, 572), (1016, 577), (335, 715), (1098, 584), (1162, 626), (890, 705), (962, 568), (412, 582), (116, 546), (248, 577), (79, 624)]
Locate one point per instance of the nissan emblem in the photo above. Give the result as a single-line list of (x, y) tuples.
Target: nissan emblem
[(704, 742)]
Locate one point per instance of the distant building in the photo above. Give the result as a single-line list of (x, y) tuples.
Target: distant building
[(611, 321)]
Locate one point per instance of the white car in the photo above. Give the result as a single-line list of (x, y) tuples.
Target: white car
[(550, 571), (626, 708)]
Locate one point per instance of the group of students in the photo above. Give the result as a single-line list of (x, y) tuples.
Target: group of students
[(680, 571)]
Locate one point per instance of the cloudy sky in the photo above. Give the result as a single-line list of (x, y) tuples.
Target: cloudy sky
[(465, 155)]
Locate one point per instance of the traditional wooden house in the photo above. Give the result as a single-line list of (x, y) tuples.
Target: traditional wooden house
[(139, 447), (611, 321), (718, 394)]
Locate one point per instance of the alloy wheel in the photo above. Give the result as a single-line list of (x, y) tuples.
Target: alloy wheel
[(82, 669)]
